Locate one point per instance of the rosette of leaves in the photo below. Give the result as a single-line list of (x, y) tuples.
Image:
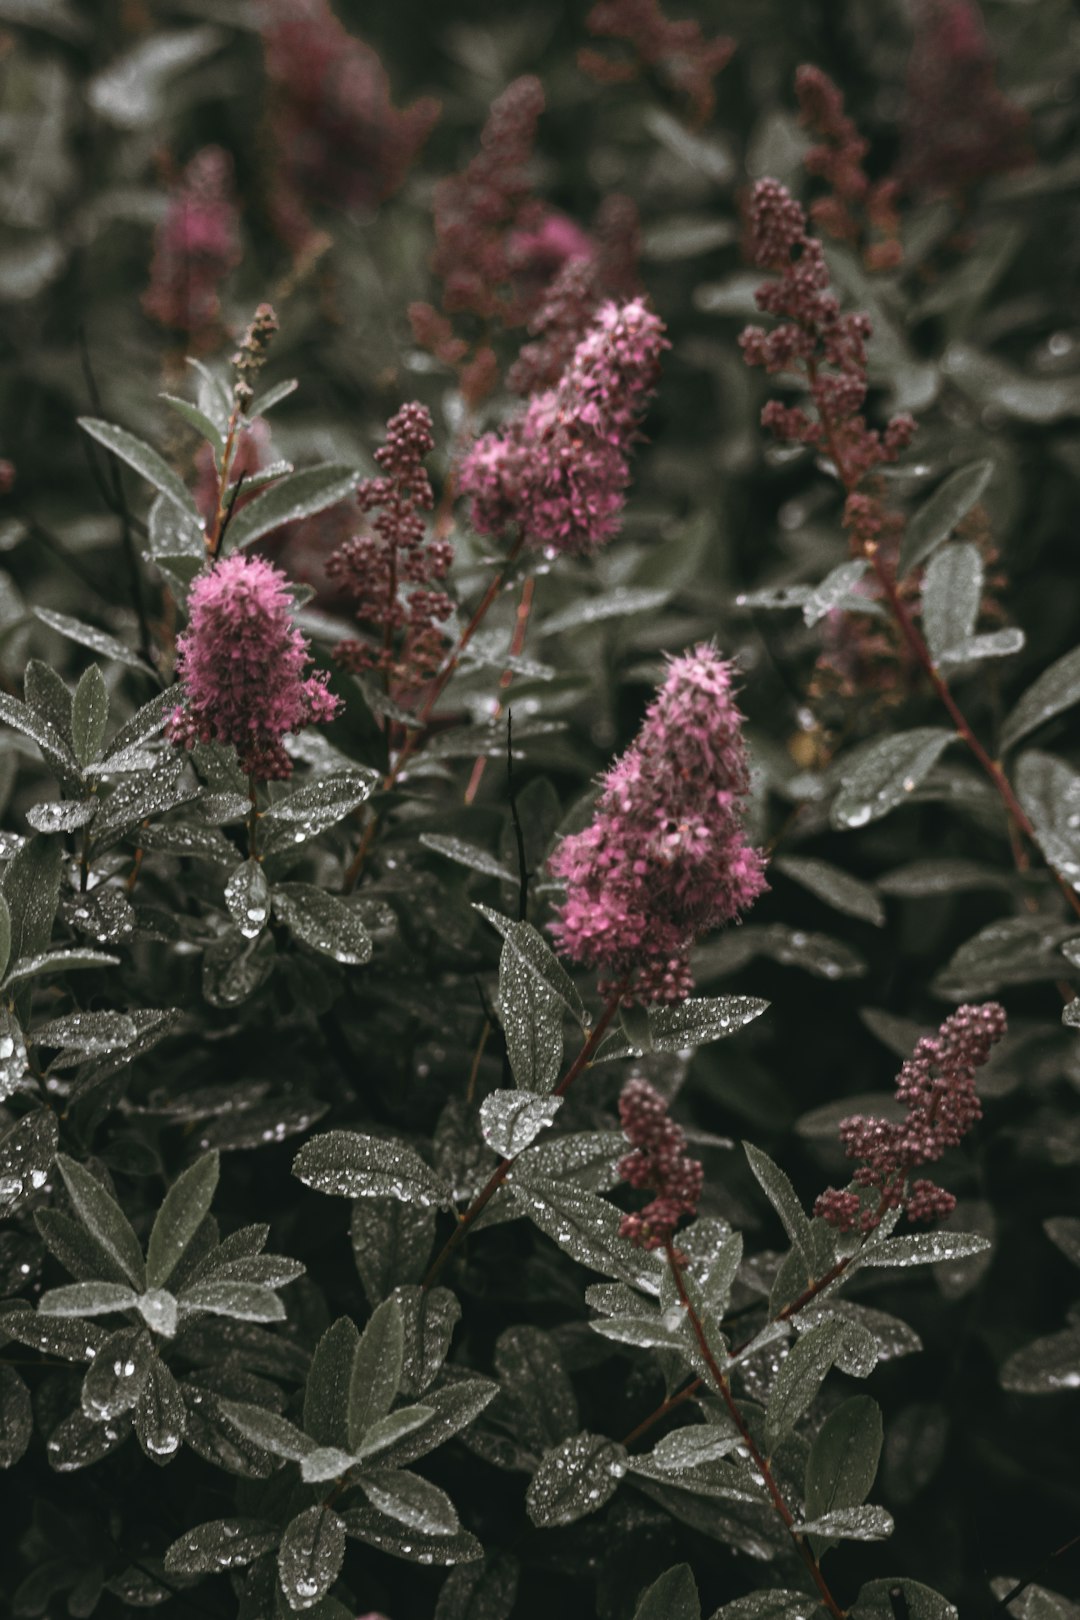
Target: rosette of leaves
[(373, 1404), (163, 1297)]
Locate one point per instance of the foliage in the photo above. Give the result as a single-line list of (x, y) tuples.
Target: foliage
[(325, 1279)]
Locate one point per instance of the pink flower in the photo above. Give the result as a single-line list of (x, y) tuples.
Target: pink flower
[(937, 1086), (659, 1161), (560, 469), (958, 128), (812, 337), (339, 138), (195, 247), (241, 666), (390, 572), (665, 858)]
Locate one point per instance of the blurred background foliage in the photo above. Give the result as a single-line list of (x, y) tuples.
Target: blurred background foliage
[(977, 333)]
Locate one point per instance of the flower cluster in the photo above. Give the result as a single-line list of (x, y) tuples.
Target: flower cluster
[(242, 665), (338, 137), (196, 245), (389, 573), (658, 1162), (813, 338), (958, 128), (677, 52), (559, 470), (854, 202), (665, 857), (937, 1087)]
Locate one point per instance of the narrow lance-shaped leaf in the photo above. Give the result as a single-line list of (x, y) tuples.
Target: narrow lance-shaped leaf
[(937, 518), (145, 460), (183, 1209), (103, 1218), (1057, 688), (376, 1370), (951, 594), (300, 495), (886, 773)]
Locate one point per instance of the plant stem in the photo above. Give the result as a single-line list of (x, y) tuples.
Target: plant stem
[(425, 711), (517, 646), (867, 546), (504, 1166), (221, 510), (761, 1463)]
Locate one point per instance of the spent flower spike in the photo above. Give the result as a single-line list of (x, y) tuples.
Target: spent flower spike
[(659, 1162), (665, 858), (242, 664), (937, 1087), (677, 52), (559, 470)]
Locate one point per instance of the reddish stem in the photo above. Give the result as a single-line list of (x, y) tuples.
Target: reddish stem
[(504, 1166), (761, 1463), (517, 646)]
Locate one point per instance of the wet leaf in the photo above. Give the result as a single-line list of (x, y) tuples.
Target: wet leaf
[(886, 773), (104, 1219), (348, 1165), (324, 921), (219, 1545), (1057, 688), (247, 896), (574, 1479), (184, 1207), (510, 1120), (936, 519), (310, 1556)]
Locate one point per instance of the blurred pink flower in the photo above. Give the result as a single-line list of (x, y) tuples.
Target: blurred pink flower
[(196, 245)]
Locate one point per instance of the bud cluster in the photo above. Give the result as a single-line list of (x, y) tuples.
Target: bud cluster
[(659, 1162)]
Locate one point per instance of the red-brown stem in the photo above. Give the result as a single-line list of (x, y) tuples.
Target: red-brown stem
[(761, 1463), (504, 1166), (923, 656), (213, 534), (688, 1391), (424, 713), (517, 647)]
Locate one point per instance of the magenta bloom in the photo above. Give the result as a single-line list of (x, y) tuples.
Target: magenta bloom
[(665, 858), (241, 666), (812, 337), (195, 247), (659, 1161), (559, 470), (389, 573), (937, 1086)]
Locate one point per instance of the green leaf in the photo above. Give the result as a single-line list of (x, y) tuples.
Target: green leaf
[(951, 594), (587, 1228), (89, 715), (843, 1460), (323, 921), (574, 1479), (160, 1417), (535, 954), (146, 462), (1045, 1366), (1016, 950), (5, 936), (701, 1019), (834, 886), (510, 1120), (273, 396), (486, 1591), (182, 1212), (937, 518), (392, 1535), (391, 1244), (886, 773), (299, 495), (87, 1299), (310, 1557), (312, 809), (413, 1501), (273, 1433), (54, 749), (376, 1371), (875, 1602), (13, 1060), (532, 1373), (771, 1605), (103, 1219), (16, 1417), (246, 1301), (617, 603), (923, 1248), (198, 420), (943, 875), (27, 1151), (31, 888), (851, 1524), (1050, 793), (388, 1432), (326, 1395), (783, 1198), (531, 1015), (801, 1375), (466, 854), (219, 1545), (995, 644), (1057, 688), (345, 1164), (673, 1597), (116, 1375), (247, 897), (833, 591), (48, 962), (429, 1317), (88, 635)]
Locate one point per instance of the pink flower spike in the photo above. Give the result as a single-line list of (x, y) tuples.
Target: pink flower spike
[(665, 857), (241, 666), (658, 1161)]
